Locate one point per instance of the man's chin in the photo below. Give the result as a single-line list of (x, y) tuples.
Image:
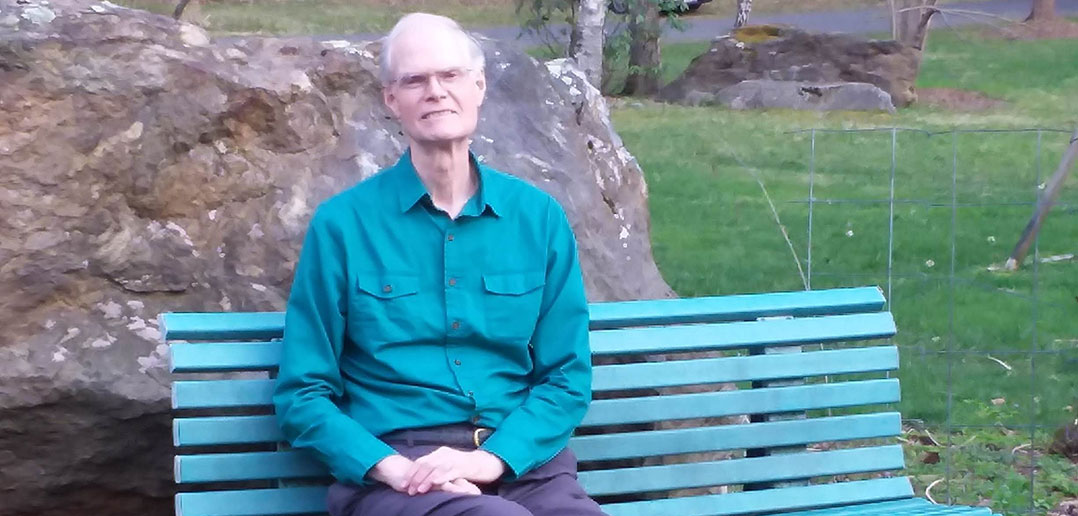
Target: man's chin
[(437, 138)]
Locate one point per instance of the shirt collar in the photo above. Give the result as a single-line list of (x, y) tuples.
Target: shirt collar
[(410, 189)]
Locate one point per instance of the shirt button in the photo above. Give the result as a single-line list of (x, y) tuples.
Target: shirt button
[(452, 282), (471, 394), (387, 288), (457, 362), (450, 237), (475, 420), (456, 325)]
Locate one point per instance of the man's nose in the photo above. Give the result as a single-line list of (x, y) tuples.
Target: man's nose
[(434, 87)]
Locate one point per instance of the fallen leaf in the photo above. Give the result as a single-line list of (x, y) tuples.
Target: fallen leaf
[(999, 401), (930, 458)]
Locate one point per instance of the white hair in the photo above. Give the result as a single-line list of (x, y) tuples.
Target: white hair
[(475, 52)]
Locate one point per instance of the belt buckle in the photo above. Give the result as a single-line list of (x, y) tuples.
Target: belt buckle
[(477, 435)]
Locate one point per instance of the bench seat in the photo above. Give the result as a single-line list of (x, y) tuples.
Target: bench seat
[(813, 432)]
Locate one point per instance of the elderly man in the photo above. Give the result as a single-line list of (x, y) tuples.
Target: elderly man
[(436, 341)]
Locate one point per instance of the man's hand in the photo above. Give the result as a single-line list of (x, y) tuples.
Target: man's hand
[(393, 471), (445, 465)]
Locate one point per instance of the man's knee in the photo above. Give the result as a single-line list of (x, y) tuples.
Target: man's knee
[(496, 506)]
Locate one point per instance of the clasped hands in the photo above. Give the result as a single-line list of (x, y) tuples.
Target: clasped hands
[(445, 469)]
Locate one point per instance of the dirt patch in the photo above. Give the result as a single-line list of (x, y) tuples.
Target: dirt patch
[(1059, 28), (957, 100)]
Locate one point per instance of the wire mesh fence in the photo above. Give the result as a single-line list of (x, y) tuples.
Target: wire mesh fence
[(990, 356)]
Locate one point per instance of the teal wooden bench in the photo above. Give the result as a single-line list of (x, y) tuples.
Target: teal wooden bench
[(809, 365)]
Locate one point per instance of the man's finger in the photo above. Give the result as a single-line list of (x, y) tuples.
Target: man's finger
[(444, 471), (446, 475), (423, 470), (467, 486), (460, 486)]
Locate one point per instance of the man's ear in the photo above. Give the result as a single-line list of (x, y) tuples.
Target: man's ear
[(481, 83), (390, 101)]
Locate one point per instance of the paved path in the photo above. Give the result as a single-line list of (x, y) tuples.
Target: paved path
[(858, 21)]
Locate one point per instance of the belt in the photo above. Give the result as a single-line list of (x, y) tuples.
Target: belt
[(460, 436)]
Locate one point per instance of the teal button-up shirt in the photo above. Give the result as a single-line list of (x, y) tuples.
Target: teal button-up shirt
[(401, 317)]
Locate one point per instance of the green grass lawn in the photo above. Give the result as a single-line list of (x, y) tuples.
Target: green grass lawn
[(296, 17), (728, 8), (714, 233), (299, 17)]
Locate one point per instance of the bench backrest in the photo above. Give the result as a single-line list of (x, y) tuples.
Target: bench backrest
[(800, 361)]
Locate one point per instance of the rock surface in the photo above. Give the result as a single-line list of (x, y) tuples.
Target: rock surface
[(766, 94), (787, 54), (147, 168)]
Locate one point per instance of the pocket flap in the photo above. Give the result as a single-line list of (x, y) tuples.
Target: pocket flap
[(515, 283), (388, 286)]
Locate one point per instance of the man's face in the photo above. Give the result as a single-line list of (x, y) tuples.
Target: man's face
[(435, 93)]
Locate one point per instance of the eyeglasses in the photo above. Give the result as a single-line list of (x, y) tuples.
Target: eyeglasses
[(447, 77)]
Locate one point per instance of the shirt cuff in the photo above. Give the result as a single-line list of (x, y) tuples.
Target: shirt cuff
[(514, 466), (356, 471)]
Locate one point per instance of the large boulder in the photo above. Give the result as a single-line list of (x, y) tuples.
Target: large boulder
[(147, 168), (788, 54)]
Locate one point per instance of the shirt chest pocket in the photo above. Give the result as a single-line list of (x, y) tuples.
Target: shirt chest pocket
[(385, 308), (511, 303)]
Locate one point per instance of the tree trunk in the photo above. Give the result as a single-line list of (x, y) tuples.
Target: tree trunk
[(586, 40), (910, 20), (744, 7), (644, 55), (1042, 10)]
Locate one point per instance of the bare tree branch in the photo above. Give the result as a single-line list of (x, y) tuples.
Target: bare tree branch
[(1044, 205), (179, 9)]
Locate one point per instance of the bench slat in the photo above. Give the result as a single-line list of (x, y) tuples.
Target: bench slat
[(217, 430), (253, 502), (737, 307), (774, 332), (189, 394), (877, 508), (741, 471), (228, 467), (735, 437), (755, 401), (236, 356), (225, 356), (292, 464), (770, 500), (207, 394), (209, 431), (302, 500), (739, 369), (270, 325), (222, 325), (910, 507)]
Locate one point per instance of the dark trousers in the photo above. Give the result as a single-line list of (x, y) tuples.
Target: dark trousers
[(549, 490)]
